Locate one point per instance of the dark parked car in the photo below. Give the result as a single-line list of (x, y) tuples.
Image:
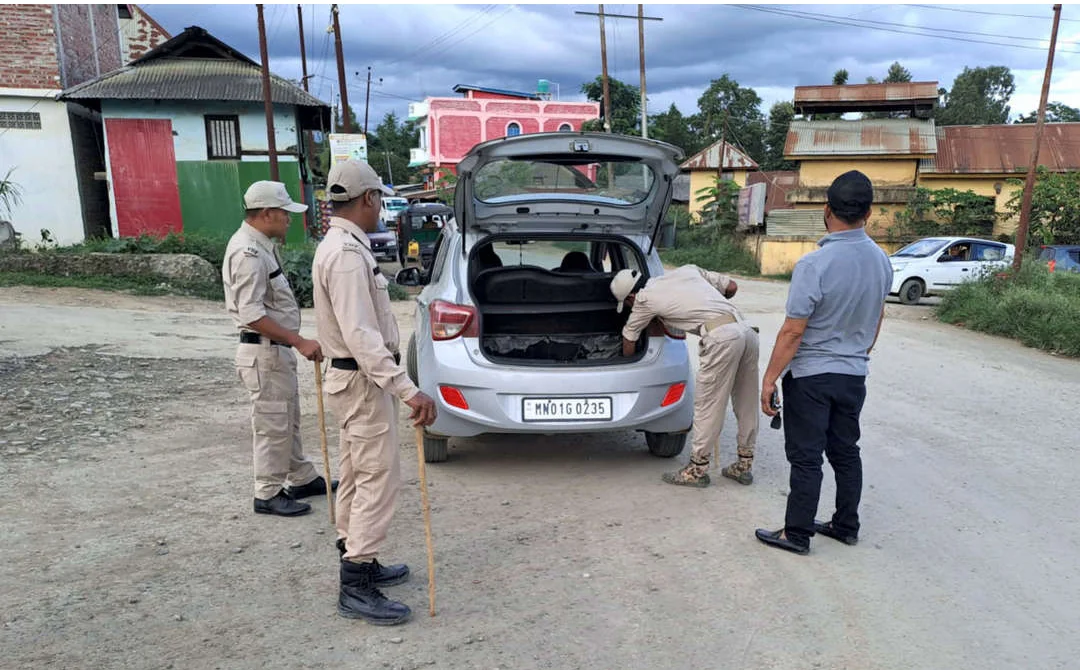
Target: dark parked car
[(1061, 257), (383, 243)]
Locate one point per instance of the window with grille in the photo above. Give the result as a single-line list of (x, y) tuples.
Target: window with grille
[(223, 137), (20, 120)]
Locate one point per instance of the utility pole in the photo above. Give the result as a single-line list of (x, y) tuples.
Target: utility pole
[(723, 146), (641, 58), (1029, 183), (303, 51), (268, 103), (346, 123), (603, 56), (367, 97)]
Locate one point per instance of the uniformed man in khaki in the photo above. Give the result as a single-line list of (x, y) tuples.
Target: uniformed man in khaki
[(698, 301), (364, 384), (262, 304)]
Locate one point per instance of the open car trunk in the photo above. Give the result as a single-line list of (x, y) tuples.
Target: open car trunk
[(530, 315)]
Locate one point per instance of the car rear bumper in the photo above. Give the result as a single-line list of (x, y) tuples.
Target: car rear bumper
[(495, 393)]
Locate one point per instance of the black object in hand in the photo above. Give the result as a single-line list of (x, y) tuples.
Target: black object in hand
[(774, 402)]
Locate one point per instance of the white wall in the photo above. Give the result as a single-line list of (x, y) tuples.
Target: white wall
[(189, 125), (44, 163)]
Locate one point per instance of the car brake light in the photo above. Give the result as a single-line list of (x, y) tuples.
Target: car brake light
[(658, 329), (449, 321), (1052, 264), (675, 333), (453, 397), (674, 394)]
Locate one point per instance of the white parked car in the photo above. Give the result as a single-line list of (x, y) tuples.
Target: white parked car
[(934, 265), (391, 207), (516, 328)]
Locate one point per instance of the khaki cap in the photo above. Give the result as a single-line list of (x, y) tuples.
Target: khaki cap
[(352, 179), (271, 195)]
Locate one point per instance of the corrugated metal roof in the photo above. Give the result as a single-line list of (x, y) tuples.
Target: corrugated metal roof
[(191, 79), (868, 137), (461, 88), (709, 159), (911, 91), (795, 222), (1004, 149)]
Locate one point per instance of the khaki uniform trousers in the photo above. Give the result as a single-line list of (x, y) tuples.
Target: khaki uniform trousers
[(268, 372), (370, 466), (727, 367)]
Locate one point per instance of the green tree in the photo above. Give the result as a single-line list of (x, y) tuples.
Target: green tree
[(780, 117), (721, 205), (978, 96), (1055, 207), (1056, 112), (740, 107), (625, 106), (897, 74), (945, 211), (10, 195), (840, 77), (674, 128)]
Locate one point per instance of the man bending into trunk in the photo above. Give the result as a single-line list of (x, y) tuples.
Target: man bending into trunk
[(696, 300)]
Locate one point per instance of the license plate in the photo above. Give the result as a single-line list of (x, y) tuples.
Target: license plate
[(566, 409)]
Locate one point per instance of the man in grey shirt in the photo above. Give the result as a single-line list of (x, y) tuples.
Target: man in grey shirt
[(834, 310)]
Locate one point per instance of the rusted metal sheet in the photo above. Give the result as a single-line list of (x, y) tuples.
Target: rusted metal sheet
[(795, 222), (142, 167), (1004, 149), (911, 91), (709, 159), (777, 186), (870, 137)]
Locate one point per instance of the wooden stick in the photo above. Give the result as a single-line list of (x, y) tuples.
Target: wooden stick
[(427, 519), (325, 454)]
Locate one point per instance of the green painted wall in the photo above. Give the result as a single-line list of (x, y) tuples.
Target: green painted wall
[(212, 194)]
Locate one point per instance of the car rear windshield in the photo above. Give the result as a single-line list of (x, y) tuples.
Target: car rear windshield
[(618, 183), (920, 249)]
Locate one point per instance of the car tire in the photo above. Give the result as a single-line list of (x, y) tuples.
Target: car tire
[(411, 365), (435, 449), (912, 291), (665, 445)]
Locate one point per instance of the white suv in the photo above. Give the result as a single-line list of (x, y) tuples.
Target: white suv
[(516, 328)]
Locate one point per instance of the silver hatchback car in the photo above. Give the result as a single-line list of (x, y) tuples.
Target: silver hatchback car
[(516, 328)]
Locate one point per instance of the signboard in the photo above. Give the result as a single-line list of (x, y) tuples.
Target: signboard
[(344, 146), (751, 206)]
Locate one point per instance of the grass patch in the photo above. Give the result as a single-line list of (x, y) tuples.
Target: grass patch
[(120, 284), (1039, 308), (707, 247)]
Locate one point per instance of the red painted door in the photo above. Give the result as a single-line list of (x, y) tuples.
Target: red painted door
[(142, 164)]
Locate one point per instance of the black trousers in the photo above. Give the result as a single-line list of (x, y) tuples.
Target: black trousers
[(821, 415)]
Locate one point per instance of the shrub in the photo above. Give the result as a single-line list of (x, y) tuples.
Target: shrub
[(707, 246)]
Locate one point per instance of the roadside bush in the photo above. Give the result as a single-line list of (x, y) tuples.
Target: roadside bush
[(1037, 307), (208, 247), (707, 246)]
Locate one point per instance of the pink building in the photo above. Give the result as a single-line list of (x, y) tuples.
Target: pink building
[(450, 127)]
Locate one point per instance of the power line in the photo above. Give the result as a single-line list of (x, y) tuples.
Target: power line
[(855, 23), (505, 10), (445, 36), (976, 11)]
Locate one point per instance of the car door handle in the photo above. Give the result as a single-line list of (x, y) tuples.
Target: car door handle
[(963, 269)]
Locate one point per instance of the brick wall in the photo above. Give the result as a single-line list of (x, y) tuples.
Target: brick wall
[(90, 41), (28, 47)]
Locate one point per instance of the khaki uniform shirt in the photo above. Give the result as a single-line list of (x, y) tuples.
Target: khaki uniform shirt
[(255, 286), (352, 308), (685, 298)]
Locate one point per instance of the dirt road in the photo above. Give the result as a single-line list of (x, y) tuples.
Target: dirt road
[(129, 540)]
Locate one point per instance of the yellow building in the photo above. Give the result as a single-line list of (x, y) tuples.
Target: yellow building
[(982, 159), (704, 166)]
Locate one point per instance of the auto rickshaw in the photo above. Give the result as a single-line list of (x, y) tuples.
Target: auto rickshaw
[(418, 228)]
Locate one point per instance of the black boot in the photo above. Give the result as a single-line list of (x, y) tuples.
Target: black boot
[(360, 599), (385, 575)]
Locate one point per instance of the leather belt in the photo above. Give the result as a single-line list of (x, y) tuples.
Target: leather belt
[(351, 364), (248, 337)]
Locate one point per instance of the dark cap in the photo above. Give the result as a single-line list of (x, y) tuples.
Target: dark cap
[(851, 195)]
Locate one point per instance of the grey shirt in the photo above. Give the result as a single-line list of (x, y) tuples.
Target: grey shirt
[(840, 290)]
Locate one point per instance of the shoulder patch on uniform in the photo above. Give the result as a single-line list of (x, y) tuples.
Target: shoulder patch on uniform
[(354, 247), (251, 251)]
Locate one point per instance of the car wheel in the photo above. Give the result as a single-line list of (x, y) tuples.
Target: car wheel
[(665, 445), (912, 291), (410, 360), (434, 449)]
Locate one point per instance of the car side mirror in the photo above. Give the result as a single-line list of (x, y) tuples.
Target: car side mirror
[(409, 277)]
